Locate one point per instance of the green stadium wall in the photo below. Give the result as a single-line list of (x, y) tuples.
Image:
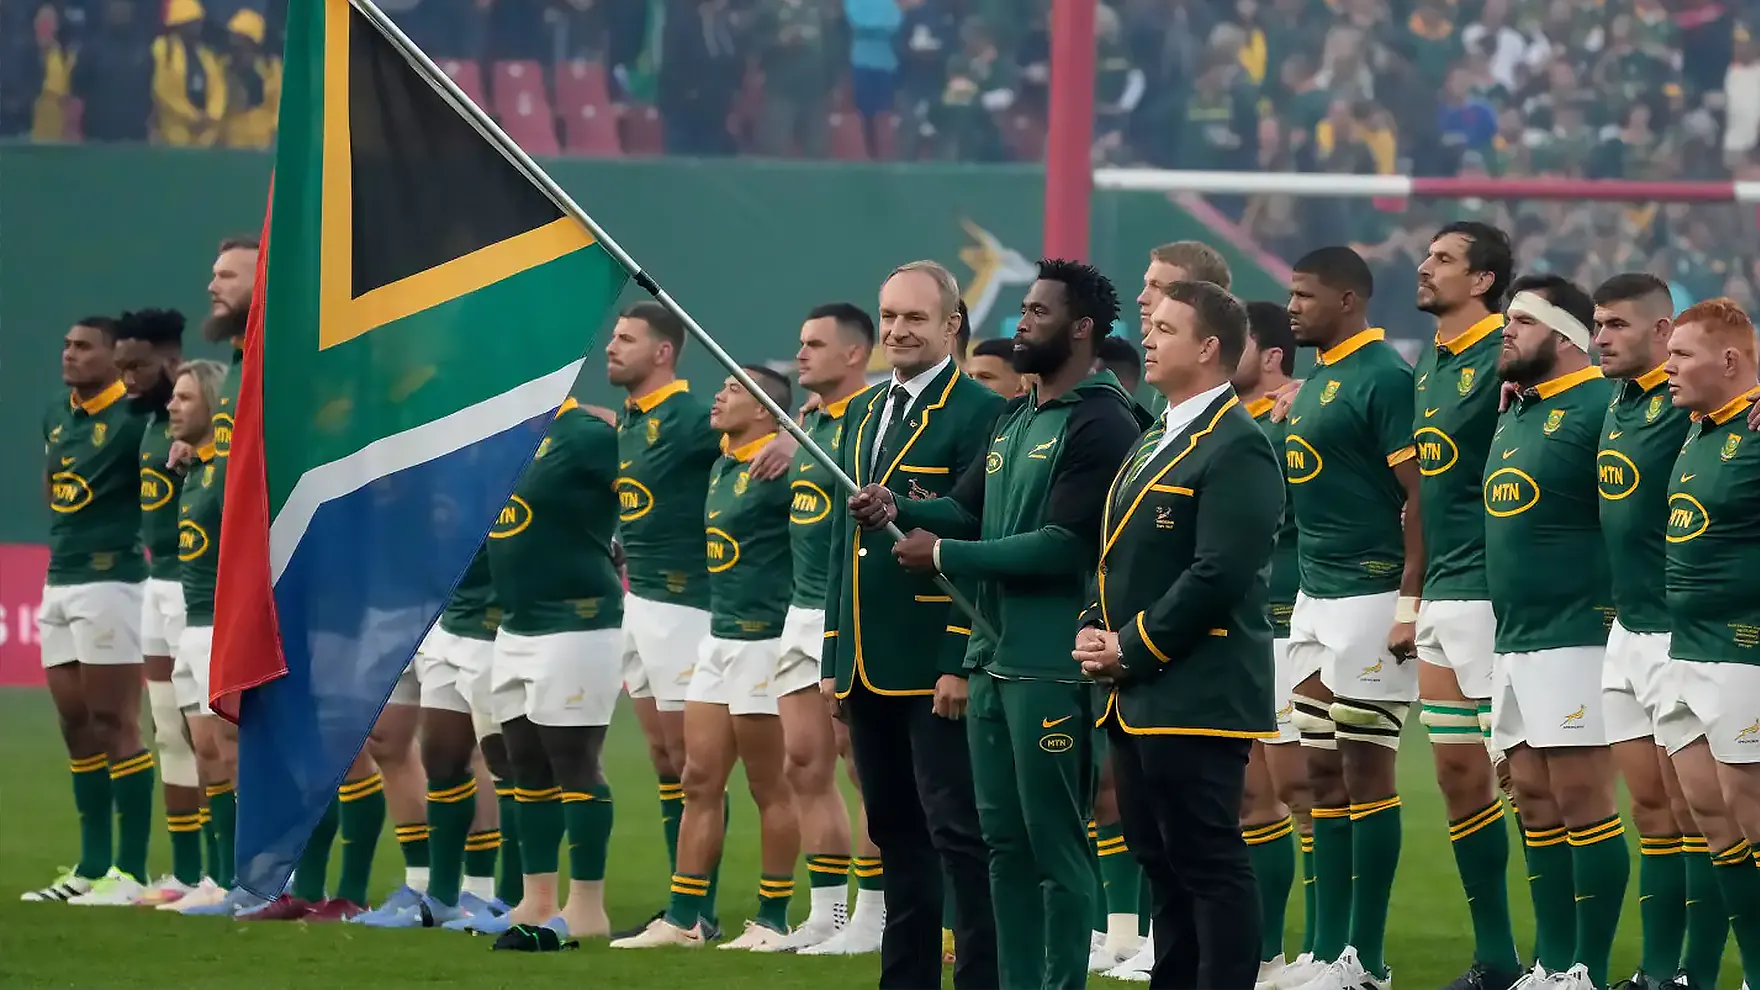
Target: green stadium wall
[(745, 246)]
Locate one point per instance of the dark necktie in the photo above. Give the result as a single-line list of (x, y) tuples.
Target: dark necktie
[(900, 403)]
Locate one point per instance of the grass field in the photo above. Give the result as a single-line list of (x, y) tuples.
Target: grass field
[(44, 945)]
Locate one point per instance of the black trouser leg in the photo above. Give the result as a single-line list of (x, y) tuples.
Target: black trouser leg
[(881, 744), (1171, 921), (944, 781)]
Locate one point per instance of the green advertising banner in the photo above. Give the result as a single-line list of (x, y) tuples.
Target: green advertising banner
[(747, 247)]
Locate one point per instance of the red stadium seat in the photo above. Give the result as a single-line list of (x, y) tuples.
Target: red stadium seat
[(591, 130), (886, 136), (644, 133), (523, 107), (848, 143), (469, 77), (580, 83)]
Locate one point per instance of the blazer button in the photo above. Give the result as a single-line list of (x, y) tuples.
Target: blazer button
[(863, 552)]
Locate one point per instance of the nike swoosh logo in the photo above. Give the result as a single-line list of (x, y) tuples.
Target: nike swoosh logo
[(1533, 877), (1431, 412), (1052, 723), (65, 461), (1000, 438), (1293, 420), (624, 465), (1509, 452), (1423, 378), (1585, 897), (1615, 435), (714, 512), (1687, 477)]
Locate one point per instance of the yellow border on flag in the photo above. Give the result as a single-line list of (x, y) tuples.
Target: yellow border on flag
[(344, 316)]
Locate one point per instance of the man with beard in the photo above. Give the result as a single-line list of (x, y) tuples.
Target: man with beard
[(1023, 525), (89, 623), (1462, 282), (1546, 570), (149, 348)]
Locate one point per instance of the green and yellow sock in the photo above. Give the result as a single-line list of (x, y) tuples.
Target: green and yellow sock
[(689, 892), (671, 811), (91, 799), (223, 820), (210, 845), (313, 870), (186, 846), (1601, 864), (510, 882), (588, 816), (1662, 903), (1552, 889), (412, 842), (1707, 923), (1309, 889), (1481, 855), (361, 819), (827, 870), (870, 873), (1271, 848), (1333, 852), (774, 892), (1740, 883), (131, 792), (1375, 843), (1122, 877), (452, 803), (540, 829)]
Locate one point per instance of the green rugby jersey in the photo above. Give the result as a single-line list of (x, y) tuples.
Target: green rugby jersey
[(471, 612), (550, 548), (812, 494), (1350, 424), (1714, 539), (1545, 561), (1455, 412), (94, 490), (1286, 569), (228, 400), (665, 449), (748, 555), (159, 489), (198, 534), (1640, 436)]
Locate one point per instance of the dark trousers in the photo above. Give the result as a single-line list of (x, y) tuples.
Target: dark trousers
[(1179, 798), (916, 779)]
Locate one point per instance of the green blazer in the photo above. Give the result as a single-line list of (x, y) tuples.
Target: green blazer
[(892, 631), (1185, 560)]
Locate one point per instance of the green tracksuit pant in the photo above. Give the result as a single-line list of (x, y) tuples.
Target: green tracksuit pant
[(1034, 770)]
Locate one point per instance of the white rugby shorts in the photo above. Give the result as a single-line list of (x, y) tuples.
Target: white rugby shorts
[(97, 623), (1635, 682), (1344, 640), (162, 617), (1719, 702), (566, 679), (803, 645), (661, 641), (1462, 636), (1548, 699), (189, 669), (738, 673)]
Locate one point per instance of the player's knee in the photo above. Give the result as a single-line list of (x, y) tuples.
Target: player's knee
[(1313, 719), (177, 758), (1451, 723), (1295, 794), (445, 757), (495, 757), (702, 779), (810, 773), (1376, 723)]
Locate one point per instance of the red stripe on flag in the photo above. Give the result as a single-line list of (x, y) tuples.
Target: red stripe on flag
[(247, 636)]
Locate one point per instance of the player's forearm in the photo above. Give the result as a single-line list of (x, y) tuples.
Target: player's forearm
[(941, 516), (1411, 582), (1049, 551)]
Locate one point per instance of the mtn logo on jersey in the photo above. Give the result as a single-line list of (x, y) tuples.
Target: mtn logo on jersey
[(722, 550), (634, 500), (808, 503), (156, 489), (68, 492), (514, 517), (192, 540)]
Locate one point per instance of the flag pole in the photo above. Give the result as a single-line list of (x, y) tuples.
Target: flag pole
[(516, 156)]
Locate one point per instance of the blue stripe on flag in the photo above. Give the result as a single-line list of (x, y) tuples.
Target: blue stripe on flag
[(367, 580)]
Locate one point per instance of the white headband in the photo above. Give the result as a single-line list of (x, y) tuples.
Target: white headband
[(1535, 305)]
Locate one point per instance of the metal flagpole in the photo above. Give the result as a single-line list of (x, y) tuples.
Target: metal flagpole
[(516, 156)]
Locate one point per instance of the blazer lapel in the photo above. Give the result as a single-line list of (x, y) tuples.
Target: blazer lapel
[(866, 431), (931, 399), (1129, 488)]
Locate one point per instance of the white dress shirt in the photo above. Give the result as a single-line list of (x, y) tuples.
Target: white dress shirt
[(914, 387), (1174, 419)]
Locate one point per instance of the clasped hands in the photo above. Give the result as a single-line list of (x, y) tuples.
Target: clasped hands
[(873, 507)]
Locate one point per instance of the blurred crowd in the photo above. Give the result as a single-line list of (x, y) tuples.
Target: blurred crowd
[(1661, 90)]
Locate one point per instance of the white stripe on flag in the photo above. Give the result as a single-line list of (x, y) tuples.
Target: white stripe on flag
[(389, 455)]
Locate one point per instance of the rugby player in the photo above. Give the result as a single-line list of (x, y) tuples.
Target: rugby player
[(665, 451), (1276, 802), (1120, 356), (991, 364), (89, 623), (1546, 569), (837, 340), (1678, 897), (1020, 523), (731, 709), (149, 348), (1126, 893), (1708, 725), (1349, 460), (557, 666), (1461, 282)]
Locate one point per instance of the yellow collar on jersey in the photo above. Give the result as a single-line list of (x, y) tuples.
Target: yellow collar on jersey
[(748, 451), (1652, 378), (1260, 406), (568, 403), (1731, 409), (1471, 335), (1564, 383), (100, 402), (647, 402), (1352, 344), (836, 409), (206, 452)]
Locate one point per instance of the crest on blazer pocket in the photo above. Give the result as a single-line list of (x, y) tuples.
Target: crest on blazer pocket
[(1164, 517)]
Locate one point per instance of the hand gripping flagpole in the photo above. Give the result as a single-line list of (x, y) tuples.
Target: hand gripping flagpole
[(516, 156)]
